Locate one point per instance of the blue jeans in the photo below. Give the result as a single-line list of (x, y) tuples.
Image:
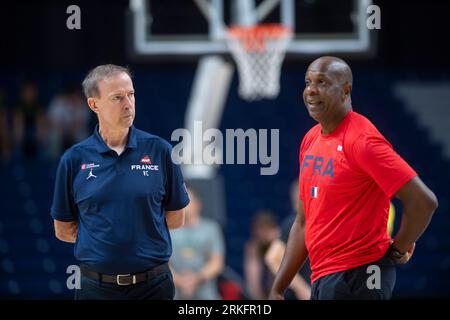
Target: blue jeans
[(159, 287), (353, 283)]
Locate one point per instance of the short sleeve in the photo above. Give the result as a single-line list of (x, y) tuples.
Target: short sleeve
[(63, 206), (176, 197), (375, 156)]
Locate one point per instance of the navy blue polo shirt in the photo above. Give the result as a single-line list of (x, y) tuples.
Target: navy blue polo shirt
[(119, 201)]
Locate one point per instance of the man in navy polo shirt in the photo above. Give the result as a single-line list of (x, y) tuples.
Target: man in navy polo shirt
[(117, 193)]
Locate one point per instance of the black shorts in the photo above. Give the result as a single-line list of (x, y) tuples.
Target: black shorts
[(372, 281)]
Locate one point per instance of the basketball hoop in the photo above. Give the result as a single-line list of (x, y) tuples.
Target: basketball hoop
[(259, 52)]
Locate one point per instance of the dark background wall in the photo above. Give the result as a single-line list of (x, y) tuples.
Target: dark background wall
[(34, 34)]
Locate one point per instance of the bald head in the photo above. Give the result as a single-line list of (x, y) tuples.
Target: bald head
[(327, 93), (334, 66)]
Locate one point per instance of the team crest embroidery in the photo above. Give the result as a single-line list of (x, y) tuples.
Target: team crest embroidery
[(146, 160), (145, 166)]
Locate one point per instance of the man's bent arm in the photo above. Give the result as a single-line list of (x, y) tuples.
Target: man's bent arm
[(66, 231), (175, 219), (419, 204), (294, 256)]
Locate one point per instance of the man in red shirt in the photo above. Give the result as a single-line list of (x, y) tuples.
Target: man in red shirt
[(348, 173)]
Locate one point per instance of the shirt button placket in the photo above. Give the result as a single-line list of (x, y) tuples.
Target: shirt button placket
[(119, 163)]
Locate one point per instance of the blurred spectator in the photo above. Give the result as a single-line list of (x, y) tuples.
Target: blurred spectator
[(69, 117), (5, 140), (29, 125), (231, 285), (299, 287), (198, 255), (258, 278)]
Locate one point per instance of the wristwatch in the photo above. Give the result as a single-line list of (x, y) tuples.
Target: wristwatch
[(395, 253)]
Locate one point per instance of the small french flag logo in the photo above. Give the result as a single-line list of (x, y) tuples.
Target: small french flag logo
[(314, 192)]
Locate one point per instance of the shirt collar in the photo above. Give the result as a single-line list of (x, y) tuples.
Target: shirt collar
[(132, 141), (102, 147)]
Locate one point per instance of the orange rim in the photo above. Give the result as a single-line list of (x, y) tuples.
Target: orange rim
[(254, 38)]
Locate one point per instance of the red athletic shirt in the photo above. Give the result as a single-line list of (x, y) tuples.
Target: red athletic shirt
[(346, 181)]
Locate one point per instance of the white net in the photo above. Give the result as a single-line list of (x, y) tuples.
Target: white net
[(259, 52)]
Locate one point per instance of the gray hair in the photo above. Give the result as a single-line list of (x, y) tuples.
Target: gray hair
[(90, 83)]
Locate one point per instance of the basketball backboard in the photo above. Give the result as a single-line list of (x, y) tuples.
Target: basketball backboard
[(198, 27)]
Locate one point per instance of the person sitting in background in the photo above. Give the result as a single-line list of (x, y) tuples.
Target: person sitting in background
[(258, 278), (69, 120), (29, 122), (198, 255)]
